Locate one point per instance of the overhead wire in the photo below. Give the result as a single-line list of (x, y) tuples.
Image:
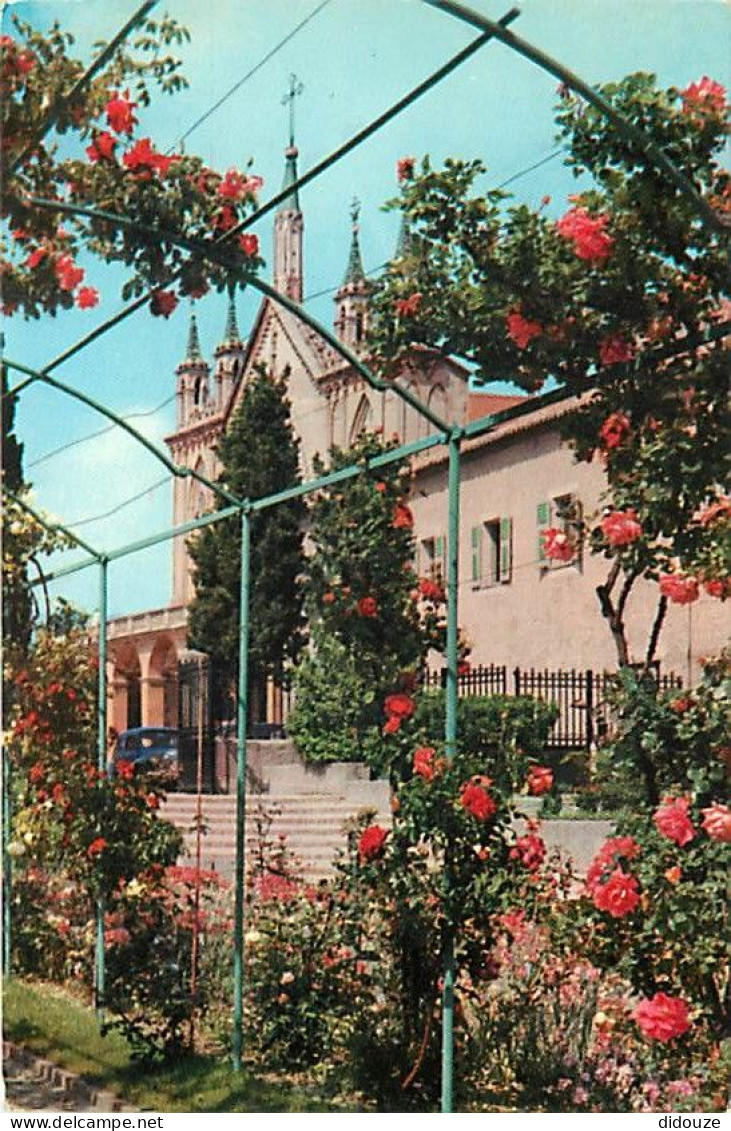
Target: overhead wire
[(249, 74), (99, 432), (120, 506)]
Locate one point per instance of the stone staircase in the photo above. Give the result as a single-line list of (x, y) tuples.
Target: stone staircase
[(311, 824), (310, 806)]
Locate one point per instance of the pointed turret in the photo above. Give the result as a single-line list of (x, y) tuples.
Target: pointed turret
[(354, 272), (351, 300), (291, 202), (231, 333), (193, 352), (288, 222), (192, 374), (229, 356)]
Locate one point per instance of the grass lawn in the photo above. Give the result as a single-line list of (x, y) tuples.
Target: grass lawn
[(54, 1025)]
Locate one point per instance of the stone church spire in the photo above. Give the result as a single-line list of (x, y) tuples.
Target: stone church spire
[(351, 300), (288, 222), (229, 356), (192, 374)]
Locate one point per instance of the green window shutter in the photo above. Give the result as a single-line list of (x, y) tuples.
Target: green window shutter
[(476, 538), (505, 568), (578, 531), (543, 521)]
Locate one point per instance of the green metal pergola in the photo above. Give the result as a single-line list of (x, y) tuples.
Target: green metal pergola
[(446, 434)]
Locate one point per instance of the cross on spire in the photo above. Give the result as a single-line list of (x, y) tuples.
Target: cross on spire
[(355, 212), (295, 89)]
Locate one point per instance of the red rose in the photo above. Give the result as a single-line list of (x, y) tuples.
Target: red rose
[(680, 706), (125, 769), (672, 820), (430, 590), (96, 847), (717, 822), (715, 587), (392, 725), (621, 528), (614, 431), (521, 330), (618, 896), (153, 801), (679, 589), (400, 705), (328, 598), (102, 148), (371, 843), (87, 297), (403, 519), (232, 186), (367, 607), (530, 850), (706, 96), (476, 801), (249, 244), (587, 233), (36, 773), (662, 1018), (67, 273), (405, 307), (424, 764), (119, 113), (36, 257), (404, 169), (608, 856), (225, 219), (614, 350), (557, 545), (163, 303), (143, 160), (719, 509), (540, 780)]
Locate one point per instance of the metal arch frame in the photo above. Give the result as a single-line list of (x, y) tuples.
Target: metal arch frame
[(447, 434)]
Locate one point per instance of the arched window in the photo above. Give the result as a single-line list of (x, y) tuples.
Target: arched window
[(361, 420)]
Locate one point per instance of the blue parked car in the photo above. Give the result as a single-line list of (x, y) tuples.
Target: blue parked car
[(150, 749)]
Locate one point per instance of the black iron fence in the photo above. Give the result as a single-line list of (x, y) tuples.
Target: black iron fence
[(582, 697)]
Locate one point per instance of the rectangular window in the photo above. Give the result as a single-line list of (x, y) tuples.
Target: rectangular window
[(563, 513), (492, 551), (431, 558)]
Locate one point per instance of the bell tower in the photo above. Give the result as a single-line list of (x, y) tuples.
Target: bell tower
[(288, 222), (192, 374), (229, 356), (351, 300)]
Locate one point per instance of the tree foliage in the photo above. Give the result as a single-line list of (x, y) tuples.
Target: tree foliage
[(259, 456), (104, 163), (373, 620), (612, 301)]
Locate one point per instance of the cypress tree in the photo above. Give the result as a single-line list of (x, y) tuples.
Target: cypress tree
[(259, 456)]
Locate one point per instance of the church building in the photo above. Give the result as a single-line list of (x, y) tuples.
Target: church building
[(516, 608)]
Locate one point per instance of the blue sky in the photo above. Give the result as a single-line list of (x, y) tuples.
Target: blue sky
[(355, 57)]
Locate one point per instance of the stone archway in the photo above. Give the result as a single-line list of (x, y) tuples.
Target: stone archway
[(127, 702), (159, 682)]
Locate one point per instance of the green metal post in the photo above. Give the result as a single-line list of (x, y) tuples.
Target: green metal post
[(242, 719), (102, 766), (450, 736)]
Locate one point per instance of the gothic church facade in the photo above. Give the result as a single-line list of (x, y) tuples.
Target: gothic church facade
[(515, 607)]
